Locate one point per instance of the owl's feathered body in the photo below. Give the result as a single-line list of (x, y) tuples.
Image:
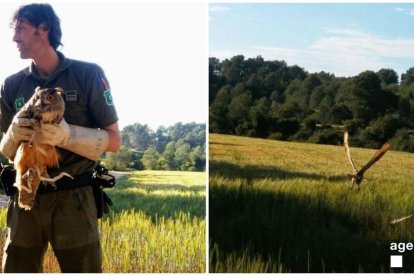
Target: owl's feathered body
[(33, 157), (358, 175)]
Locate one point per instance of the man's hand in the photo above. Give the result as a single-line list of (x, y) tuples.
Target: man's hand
[(55, 134), (20, 129), (87, 142)]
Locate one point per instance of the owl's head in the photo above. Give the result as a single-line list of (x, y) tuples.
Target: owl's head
[(48, 105), (48, 96)]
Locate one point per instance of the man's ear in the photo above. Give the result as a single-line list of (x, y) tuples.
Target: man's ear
[(43, 28)]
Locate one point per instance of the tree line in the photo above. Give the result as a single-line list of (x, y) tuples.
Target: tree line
[(178, 147), (269, 99)]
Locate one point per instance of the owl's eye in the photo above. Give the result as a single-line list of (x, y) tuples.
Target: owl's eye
[(49, 97)]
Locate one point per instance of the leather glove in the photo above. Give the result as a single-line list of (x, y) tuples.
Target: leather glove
[(55, 134), (18, 131), (87, 142)]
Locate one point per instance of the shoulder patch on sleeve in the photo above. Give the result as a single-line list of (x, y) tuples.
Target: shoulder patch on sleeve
[(103, 83), (19, 103), (108, 97)]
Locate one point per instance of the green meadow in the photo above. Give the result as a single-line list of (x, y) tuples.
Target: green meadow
[(157, 224), (286, 207)]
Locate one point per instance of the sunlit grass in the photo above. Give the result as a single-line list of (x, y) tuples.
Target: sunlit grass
[(273, 200), (157, 224)]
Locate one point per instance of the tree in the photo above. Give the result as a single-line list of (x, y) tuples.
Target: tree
[(364, 95), (408, 77), (168, 162), (161, 138), (233, 70), (120, 160), (403, 140), (259, 117), (138, 137), (339, 113), (181, 157), (150, 159), (219, 110), (215, 78), (239, 109), (388, 76), (270, 99), (198, 159)]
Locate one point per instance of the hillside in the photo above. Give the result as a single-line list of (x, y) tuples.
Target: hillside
[(286, 207), (270, 99)]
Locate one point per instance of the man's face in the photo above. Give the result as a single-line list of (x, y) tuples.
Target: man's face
[(28, 38)]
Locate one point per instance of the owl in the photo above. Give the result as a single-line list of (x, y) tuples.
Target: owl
[(358, 175), (46, 106)]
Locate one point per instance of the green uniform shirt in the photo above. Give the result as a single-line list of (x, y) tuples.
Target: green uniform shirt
[(88, 102)]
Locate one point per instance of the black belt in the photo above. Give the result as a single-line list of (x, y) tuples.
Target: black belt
[(66, 183)]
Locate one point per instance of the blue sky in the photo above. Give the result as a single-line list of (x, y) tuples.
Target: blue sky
[(343, 39)]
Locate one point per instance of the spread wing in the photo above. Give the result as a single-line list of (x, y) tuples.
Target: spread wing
[(395, 221), (348, 152), (380, 153)]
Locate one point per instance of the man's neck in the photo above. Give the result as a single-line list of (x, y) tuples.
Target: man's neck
[(46, 63)]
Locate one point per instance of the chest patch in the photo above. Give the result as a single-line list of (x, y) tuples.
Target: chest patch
[(71, 96), (19, 103)]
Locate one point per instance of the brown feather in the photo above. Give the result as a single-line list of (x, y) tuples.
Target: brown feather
[(348, 151), (377, 156), (33, 158), (358, 176)]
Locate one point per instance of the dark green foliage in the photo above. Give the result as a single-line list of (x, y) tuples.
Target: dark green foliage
[(388, 76), (269, 99), (327, 136), (408, 77), (403, 140), (178, 147)]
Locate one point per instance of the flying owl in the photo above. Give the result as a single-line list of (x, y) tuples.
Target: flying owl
[(358, 175), (46, 106)]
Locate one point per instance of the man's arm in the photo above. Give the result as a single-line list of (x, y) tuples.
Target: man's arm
[(19, 130), (88, 142), (114, 138)]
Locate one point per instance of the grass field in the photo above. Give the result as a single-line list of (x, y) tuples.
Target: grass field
[(286, 207), (157, 224)]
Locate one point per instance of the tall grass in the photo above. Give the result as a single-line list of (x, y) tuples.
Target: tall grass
[(286, 207), (157, 224)]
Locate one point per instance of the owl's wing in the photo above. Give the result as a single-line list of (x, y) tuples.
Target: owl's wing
[(377, 156), (348, 152), (395, 221)]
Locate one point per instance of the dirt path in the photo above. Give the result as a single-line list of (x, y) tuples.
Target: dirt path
[(3, 201), (119, 175)]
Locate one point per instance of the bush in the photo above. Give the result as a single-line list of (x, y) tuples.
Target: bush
[(403, 140), (353, 125), (327, 136), (276, 136)]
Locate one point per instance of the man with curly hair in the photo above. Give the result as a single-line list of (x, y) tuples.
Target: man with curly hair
[(65, 217)]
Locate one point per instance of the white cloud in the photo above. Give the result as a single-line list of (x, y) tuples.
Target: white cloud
[(363, 44), (219, 9), (347, 32), (406, 11), (344, 52)]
